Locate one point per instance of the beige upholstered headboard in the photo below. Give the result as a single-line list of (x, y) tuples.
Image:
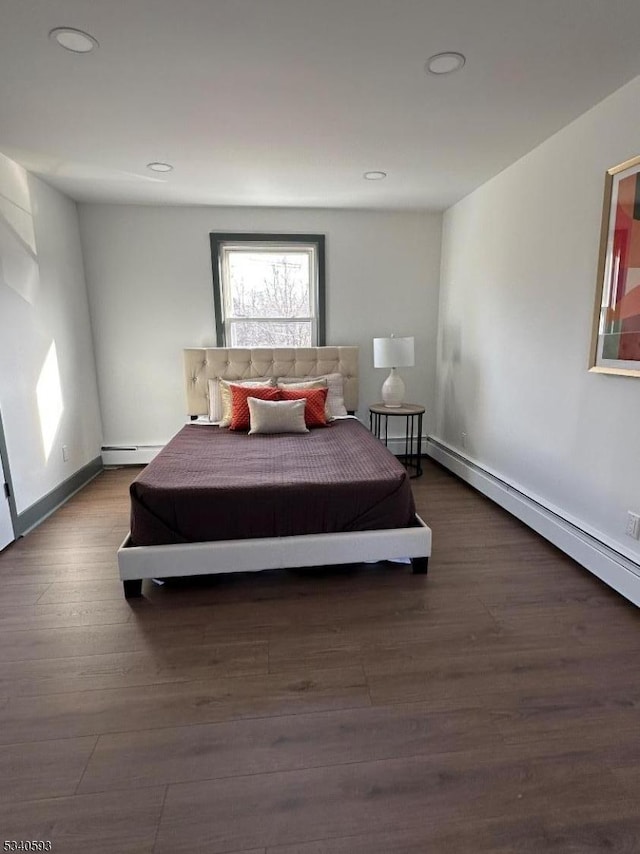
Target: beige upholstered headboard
[(237, 363)]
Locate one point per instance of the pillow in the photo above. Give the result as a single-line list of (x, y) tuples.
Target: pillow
[(334, 382), (240, 405), (307, 384), (284, 383), (220, 397), (214, 401), (316, 398), (276, 416)]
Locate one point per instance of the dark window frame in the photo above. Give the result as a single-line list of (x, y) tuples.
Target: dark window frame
[(217, 239)]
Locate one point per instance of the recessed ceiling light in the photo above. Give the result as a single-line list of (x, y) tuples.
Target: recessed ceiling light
[(445, 63), (374, 176), (73, 40), (160, 167)]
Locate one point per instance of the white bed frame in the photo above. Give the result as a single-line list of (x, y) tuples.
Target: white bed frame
[(201, 364)]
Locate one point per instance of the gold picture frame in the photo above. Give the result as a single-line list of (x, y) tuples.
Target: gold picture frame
[(615, 341)]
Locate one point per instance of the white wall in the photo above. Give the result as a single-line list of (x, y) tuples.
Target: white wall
[(518, 283), (48, 393), (151, 294)]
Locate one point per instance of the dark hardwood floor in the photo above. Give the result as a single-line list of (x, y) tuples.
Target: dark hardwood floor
[(491, 706)]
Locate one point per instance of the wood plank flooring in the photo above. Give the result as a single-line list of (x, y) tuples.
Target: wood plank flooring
[(491, 706)]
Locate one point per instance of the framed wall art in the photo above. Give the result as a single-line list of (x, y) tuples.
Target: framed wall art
[(615, 347)]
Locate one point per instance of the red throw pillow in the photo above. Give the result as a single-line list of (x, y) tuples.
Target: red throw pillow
[(314, 411), (240, 408)]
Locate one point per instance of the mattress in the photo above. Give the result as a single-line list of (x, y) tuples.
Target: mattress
[(210, 483)]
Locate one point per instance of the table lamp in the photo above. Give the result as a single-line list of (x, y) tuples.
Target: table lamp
[(393, 353)]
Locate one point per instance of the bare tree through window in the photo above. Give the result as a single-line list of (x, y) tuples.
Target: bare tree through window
[(270, 287)]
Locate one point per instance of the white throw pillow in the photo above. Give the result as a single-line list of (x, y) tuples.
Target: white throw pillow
[(276, 416), (335, 385), (220, 397)]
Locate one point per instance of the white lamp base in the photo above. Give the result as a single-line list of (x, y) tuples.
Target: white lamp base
[(393, 390)]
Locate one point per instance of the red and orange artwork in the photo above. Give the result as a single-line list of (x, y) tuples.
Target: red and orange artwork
[(622, 313)]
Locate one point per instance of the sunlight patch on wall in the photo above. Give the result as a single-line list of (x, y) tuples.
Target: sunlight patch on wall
[(14, 180), (50, 403), (18, 255)]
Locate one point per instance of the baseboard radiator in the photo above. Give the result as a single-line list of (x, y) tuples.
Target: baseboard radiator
[(615, 569), (135, 455), (129, 455), (396, 445)]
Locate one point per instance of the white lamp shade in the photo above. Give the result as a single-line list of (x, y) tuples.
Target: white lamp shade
[(393, 353)]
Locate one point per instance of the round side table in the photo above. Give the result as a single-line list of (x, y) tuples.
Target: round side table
[(412, 413)]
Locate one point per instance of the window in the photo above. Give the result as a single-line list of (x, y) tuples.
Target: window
[(268, 289)]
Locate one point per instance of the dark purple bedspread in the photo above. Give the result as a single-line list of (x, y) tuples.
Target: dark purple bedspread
[(213, 484)]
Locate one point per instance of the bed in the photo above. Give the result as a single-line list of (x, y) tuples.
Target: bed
[(219, 501)]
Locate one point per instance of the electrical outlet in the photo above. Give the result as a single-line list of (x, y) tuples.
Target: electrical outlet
[(633, 525), (65, 453)]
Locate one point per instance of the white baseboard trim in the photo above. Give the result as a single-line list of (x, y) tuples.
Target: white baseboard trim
[(615, 569), (129, 455)]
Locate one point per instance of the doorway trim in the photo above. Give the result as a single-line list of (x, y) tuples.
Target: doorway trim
[(7, 476)]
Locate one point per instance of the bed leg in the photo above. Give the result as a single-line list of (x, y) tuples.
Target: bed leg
[(420, 565), (132, 588)]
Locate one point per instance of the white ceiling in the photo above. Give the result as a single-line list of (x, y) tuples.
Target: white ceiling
[(288, 102)]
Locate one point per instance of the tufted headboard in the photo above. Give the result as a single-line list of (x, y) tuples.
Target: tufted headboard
[(238, 363)]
